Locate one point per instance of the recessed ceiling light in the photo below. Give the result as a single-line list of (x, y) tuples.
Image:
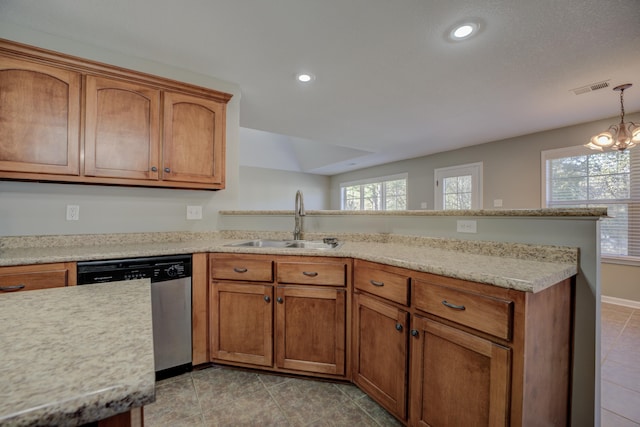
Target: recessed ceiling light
[(305, 77), (463, 31)]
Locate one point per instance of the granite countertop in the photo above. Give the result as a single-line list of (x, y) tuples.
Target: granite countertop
[(76, 354), (528, 268), (548, 212)]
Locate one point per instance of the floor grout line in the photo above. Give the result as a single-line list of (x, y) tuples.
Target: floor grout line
[(615, 340)]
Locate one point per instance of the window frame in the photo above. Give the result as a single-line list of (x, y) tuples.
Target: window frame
[(581, 150), (376, 180), (473, 169)]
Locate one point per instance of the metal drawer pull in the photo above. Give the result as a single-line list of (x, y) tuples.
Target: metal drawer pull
[(376, 283), (240, 269), (414, 333), (454, 306), (398, 327), (310, 273), (154, 169), (267, 298), (280, 300), (11, 288), (167, 170)]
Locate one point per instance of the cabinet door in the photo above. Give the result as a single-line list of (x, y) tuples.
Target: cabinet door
[(380, 352), (242, 323), (457, 379), (122, 129), (310, 329), (193, 144), (39, 118)]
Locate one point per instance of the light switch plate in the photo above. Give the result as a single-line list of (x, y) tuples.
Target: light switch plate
[(194, 212), (466, 226)]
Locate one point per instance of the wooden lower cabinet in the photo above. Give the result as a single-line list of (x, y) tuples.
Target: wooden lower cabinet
[(296, 327), (380, 354), (457, 379), (242, 323), (434, 351), (310, 329), (39, 276)]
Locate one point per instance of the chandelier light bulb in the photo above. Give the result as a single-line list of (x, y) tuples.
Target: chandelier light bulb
[(618, 137)]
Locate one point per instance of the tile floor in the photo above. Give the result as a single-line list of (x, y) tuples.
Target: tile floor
[(220, 396), (620, 352)]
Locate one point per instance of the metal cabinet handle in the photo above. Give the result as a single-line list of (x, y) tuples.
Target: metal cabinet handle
[(376, 283), (310, 273), (167, 170), (280, 300), (399, 327), (414, 333), (11, 288), (454, 306), (240, 269), (154, 169), (267, 298)]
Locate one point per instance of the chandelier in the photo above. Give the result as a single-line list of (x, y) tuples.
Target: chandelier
[(618, 137)]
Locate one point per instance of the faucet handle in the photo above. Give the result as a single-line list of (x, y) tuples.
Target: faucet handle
[(333, 241)]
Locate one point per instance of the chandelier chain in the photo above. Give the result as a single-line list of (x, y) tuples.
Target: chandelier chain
[(621, 105)]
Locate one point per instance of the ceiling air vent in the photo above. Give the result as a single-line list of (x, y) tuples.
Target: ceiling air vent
[(591, 87)]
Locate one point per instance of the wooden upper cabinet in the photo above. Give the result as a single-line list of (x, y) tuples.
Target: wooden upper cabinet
[(193, 145), (39, 118), (68, 119), (122, 128)]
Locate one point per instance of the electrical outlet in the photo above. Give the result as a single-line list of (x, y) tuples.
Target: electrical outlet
[(194, 212), (466, 226), (423, 205), (73, 212), (497, 203)]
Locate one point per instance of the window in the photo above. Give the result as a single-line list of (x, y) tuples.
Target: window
[(379, 194), (580, 177), (458, 187)]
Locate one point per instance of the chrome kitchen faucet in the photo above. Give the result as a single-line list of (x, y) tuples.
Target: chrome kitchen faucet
[(298, 214)]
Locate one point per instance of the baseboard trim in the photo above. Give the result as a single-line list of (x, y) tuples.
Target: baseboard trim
[(621, 301)]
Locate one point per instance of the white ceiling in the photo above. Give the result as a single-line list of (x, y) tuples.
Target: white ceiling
[(389, 84)]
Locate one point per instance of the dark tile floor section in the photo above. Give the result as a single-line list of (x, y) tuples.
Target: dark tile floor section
[(220, 396), (620, 352)]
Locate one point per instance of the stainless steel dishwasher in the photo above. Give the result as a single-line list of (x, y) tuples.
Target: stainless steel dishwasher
[(170, 302)]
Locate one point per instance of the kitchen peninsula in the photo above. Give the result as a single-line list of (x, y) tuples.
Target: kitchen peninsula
[(77, 354), (526, 251)]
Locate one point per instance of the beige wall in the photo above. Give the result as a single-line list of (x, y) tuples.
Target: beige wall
[(511, 172), (620, 281), (270, 189)]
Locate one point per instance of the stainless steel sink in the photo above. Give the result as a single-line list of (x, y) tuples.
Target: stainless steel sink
[(326, 244), (262, 244)]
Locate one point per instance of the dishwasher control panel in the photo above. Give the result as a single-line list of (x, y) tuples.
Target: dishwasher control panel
[(158, 269)]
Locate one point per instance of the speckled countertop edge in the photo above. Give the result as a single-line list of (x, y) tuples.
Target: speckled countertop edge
[(550, 212), (528, 268), (64, 364)]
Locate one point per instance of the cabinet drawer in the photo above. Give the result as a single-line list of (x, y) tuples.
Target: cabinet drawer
[(312, 273), (484, 313), (30, 278), (238, 267), (392, 286)]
